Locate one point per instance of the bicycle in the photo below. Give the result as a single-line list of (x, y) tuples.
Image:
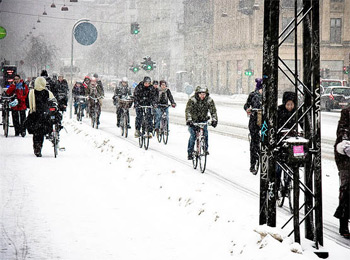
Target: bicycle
[(285, 188), (125, 104), (6, 113), (200, 149), (145, 133), (54, 136), (163, 132), (81, 100), (95, 109)]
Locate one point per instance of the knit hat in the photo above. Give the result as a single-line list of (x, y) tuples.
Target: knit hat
[(258, 83), (288, 95)]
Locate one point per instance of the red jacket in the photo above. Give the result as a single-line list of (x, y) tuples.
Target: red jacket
[(21, 90)]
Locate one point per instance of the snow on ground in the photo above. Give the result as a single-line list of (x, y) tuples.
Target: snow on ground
[(105, 198)]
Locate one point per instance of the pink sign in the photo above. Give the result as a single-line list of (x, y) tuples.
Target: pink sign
[(298, 150)]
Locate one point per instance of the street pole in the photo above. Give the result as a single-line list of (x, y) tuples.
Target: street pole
[(71, 66)]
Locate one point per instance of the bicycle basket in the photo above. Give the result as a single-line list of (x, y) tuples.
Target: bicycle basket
[(125, 103)]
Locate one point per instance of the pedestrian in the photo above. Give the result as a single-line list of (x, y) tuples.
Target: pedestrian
[(253, 109), (342, 159), (20, 89), (38, 122)]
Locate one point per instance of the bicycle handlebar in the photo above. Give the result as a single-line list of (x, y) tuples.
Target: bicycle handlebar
[(144, 106), (201, 124)]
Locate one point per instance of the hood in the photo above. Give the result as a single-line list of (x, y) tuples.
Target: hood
[(288, 95), (40, 83)]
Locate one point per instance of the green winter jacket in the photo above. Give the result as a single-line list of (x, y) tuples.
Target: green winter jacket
[(197, 110)]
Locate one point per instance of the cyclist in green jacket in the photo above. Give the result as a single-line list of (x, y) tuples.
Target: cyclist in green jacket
[(197, 109)]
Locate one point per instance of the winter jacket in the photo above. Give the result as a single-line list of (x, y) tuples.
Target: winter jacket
[(165, 96), (122, 90), (254, 101), (39, 100), (343, 133), (283, 114), (197, 109), (21, 90), (95, 91), (144, 96), (60, 91), (78, 91)]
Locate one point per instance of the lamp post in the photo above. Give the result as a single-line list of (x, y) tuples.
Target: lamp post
[(71, 65)]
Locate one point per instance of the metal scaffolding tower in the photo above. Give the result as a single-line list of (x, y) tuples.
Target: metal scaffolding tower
[(308, 114)]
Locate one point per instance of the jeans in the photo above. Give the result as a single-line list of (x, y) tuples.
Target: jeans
[(192, 140), (18, 118), (139, 118), (159, 113)]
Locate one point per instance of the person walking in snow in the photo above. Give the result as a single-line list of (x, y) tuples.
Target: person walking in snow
[(197, 109), (20, 89), (38, 123), (342, 159), (252, 107)]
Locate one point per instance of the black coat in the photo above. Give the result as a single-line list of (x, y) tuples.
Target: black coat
[(343, 133), (254, 100), (164, 96), (144, 96)]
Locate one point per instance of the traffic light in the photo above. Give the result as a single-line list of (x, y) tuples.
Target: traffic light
[(9, 73), (135, 28), (134, 68), (148, 64), (249, 72), (346, 69)]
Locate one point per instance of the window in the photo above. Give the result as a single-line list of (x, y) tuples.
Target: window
[(335, 30), (334, 1), (285, 22)]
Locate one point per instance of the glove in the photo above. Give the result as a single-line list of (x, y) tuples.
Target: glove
[(173, 105), (347, 150), (189, 123), (214, 123), (344, 148)]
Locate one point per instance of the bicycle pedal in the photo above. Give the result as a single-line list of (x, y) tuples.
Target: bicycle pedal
[(62, 148)]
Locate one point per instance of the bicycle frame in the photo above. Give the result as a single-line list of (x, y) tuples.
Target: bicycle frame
[(164, 125), (200, 152), (6, 114), (144, 136), (96, 109), (124, 118), (81, 101)]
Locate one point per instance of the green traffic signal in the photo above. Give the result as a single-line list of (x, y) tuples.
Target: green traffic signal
[(135, 69), (149, 67)]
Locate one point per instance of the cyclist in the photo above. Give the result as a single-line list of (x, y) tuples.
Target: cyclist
[(120, 91), (78, 90), (254, 101), (61, 93), (197, 109), (144, 95), (284, 112), (20, 89), (155, 84), (95, 90), (164, 97)]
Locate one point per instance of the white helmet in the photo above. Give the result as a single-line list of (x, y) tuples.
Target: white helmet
[(124, 79)]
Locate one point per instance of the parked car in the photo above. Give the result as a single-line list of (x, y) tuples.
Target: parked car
[(335, 98)]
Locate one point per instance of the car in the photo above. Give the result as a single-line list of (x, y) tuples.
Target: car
[(333, 82), (335, 98)]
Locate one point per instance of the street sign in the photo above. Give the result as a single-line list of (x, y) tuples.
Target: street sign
[(85, 33), (189, 89), (2, 32)]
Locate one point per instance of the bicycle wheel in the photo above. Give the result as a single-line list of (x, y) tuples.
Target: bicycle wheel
[(146, 140), (93, 120), (160, 132), (202, 156), (195, 160), (290, 196), (280, 195), (125, 125), (78, 113), (165, 132), (121, 125), (55, 141), (141, 141), (6, 122)]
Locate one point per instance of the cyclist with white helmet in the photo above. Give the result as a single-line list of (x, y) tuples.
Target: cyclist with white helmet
[(121, 91)]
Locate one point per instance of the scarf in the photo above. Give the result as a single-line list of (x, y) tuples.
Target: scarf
[(39, 85)]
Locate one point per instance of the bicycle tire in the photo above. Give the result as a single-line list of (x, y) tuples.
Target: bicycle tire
[(141, 141), (125, 125), (55, 142), (202, 156), (290, 197), (195, 160), (165, 133), (121, 125), (160, 133), (280, 195), (96, 116), (6, 123), (146, 140)]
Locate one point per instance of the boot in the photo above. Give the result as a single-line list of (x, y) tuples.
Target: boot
[(37, 149), (343, 228)]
